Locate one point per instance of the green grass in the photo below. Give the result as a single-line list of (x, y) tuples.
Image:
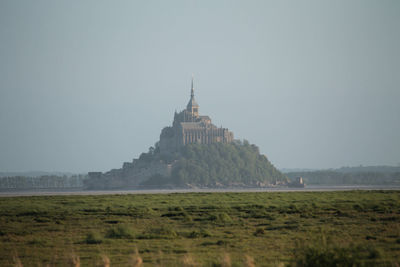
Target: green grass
[(360, 228)]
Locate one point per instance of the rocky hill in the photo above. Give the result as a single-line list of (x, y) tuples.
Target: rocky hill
[(237, 164)]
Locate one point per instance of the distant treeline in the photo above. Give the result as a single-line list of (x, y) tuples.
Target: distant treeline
[(378, 169), (337, 177), (41, 182)]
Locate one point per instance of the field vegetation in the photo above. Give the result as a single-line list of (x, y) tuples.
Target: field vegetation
[(355, 228)]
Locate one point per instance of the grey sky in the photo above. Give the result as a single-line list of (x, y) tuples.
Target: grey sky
[(87, 85)]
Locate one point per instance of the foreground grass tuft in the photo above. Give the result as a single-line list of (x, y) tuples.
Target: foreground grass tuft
[(93, 238), (120, 231)]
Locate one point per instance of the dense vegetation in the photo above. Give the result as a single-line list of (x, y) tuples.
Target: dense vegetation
[(234, 164), (358, 228), (336, 177)]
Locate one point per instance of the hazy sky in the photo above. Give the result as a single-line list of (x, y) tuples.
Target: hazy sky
[(87, 85)]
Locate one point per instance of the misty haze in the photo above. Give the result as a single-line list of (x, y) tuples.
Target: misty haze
[(199, 133)]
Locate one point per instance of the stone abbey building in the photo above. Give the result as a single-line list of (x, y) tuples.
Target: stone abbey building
[(189, 127)]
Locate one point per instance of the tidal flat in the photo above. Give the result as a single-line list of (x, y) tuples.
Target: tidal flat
[(344, 228)]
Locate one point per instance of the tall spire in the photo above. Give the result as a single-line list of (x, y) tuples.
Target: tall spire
[(192, 90), (192, 106)]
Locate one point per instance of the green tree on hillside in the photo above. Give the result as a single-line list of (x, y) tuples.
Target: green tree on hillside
[(237, 163)]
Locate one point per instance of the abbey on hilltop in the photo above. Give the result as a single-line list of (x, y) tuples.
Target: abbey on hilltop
[(189, 127), (172, 162)]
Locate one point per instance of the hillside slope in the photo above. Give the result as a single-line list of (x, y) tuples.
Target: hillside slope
[(235, 164)]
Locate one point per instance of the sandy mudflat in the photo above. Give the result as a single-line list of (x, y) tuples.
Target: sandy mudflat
[(314, 188)]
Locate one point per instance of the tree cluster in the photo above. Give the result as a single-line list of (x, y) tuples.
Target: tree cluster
[(234, 164), (41, 182)]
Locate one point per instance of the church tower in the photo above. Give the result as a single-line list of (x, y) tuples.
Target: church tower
[(189, 127), (192, 106)]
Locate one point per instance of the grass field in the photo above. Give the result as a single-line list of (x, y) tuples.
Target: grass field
[(360, 228)]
